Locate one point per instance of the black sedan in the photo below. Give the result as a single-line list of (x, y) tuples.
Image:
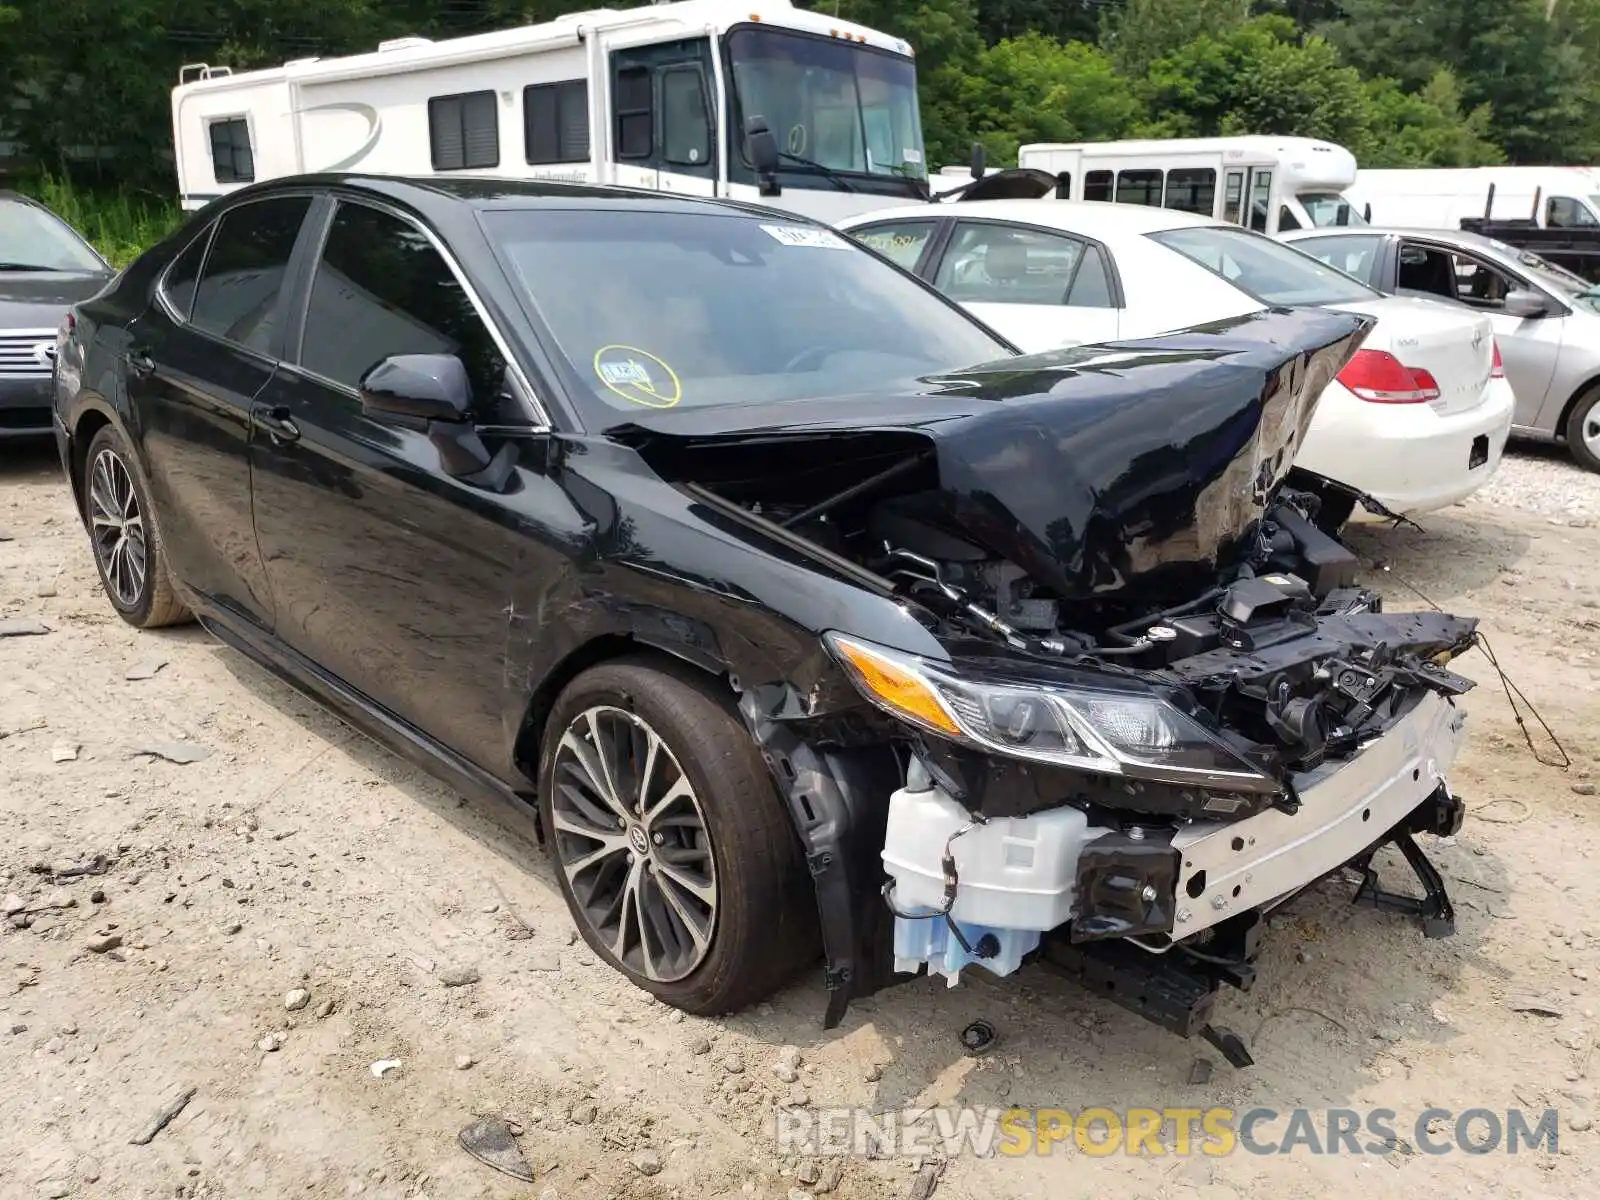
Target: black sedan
[(689, 527), (45, 268)]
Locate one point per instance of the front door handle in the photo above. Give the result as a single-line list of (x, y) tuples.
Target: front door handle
[(276, 421), (140, 362)]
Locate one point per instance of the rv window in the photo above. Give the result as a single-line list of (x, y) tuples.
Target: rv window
[(231, 160), (1260, 200), (464, 132), (1139, 187), (635, 113), (1233, 199), (685, 116), (555, 122), (1097, 185), (1563, 212), (381, 289), (1193, 189), (238, 294)]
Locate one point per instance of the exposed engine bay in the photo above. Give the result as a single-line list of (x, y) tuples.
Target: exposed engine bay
[(1162, 703)]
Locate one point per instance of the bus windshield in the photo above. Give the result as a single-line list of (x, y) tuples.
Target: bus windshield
[(834, 106), (1329, 208)]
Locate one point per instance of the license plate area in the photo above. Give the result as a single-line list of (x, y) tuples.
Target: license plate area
[(1480, 452)]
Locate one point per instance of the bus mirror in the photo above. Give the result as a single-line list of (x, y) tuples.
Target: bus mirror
[(979, 160), (763, 150)]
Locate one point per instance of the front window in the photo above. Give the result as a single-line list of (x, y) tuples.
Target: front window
[(842, 106), (1329, 208), (1266, 270), (694, 309), (32, 239)]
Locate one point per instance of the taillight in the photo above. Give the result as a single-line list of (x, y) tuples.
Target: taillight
[(1378, 377), (1498, 369)]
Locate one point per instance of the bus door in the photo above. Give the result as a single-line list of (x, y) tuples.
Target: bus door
[(1247, 197)]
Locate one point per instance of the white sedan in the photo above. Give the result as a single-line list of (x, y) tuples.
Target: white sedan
[(1417, 419)]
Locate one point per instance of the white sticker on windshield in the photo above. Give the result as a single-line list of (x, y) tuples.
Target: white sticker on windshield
[(799, 235), (911, 156)]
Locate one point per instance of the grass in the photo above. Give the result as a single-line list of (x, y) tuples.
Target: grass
[(119, 222)]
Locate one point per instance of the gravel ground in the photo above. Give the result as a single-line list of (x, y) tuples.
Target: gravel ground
[(347, 963), (1543, 479)]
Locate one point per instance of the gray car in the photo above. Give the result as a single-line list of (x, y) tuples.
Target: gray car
[(45, 268), (1546, 319)]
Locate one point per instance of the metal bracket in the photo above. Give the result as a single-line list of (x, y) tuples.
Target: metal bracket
[(1437, 914)]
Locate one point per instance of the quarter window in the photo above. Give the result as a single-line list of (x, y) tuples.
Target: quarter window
[(901, 243), (239, 294), (184, 273), (464, 132), (1091, 287), (381, 289), (555, 119), (231, 159), (1004, 264)]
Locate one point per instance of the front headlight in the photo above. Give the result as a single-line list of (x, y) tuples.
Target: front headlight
[(1107, 731)]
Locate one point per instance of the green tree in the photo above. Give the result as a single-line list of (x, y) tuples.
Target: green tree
[(1425, 128), (1258, 77), (1036, 89), (1144, 31)]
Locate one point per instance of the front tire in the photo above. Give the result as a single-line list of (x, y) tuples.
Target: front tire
[(675, 855), (1583, 430), (124, 538)]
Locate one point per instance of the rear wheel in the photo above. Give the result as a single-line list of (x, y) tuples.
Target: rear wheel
[(675, 855), (1583, 430), (123, 535)]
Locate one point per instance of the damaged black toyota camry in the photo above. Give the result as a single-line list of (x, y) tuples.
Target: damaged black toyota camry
[(801, 612)]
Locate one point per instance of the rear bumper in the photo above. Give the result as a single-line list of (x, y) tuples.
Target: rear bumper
[(1411, 458), (24, 406)]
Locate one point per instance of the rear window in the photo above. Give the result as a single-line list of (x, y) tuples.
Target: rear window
[(661, 310), (1263, 269)]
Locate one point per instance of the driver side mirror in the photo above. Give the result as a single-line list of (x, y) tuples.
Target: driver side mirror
[(413, 390), (979, 160), (763, 149), (1524, 302)]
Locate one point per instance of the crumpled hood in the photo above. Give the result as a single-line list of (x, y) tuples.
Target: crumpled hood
[(1097, 468)]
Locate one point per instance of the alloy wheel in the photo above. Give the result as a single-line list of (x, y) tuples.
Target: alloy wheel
[(632, 840), (1589, 430), (117, 528)]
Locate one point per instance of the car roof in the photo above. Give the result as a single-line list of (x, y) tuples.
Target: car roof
[(1089, 217), (423, 192)]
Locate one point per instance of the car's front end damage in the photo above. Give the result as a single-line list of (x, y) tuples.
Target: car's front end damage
[(1153, 702)]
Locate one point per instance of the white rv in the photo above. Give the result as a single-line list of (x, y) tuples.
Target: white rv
[(1438, 198), (1267, 183), (657, 97)]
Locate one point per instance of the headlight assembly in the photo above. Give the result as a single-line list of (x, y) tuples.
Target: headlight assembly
[(1111, 732)]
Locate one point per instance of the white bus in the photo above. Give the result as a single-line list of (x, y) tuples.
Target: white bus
[(1269, 184), (660, 97), (1438, 198)]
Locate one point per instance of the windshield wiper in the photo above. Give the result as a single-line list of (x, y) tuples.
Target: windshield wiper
[(22, 266), (844, 184)]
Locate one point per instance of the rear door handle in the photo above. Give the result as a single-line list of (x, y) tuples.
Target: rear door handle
[(275, 420), (140, 362)]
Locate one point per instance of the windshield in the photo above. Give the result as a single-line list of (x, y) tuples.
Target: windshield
[(31, 239), (1269, 271), (843, 105), (1329, 208), (690, 309)]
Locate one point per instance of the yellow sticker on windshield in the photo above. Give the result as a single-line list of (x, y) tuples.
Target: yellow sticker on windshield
[(638, 376)]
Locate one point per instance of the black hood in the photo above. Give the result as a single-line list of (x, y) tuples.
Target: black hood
[(39, 299), (1092, 468)]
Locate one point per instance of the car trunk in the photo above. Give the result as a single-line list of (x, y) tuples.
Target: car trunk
[(1451, 343)]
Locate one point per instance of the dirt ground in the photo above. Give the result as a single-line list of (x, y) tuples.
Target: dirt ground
[(297, 855)]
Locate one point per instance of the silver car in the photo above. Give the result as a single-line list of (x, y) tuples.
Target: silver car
[(1546, 319)]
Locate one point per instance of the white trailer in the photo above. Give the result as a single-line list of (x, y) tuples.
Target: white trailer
[(1268, 184), (658, 97), (1439, 198)]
